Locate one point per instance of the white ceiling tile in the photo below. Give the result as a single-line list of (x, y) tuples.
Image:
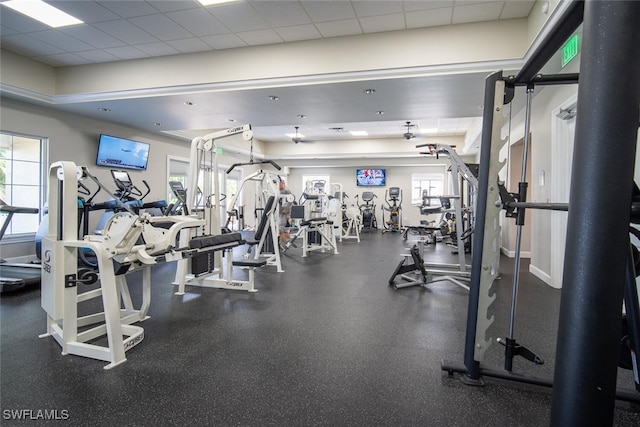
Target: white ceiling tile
[(238, 17), (376, 24), (126, 31), (377, 7), (189, 45), (27, 45), (429, 18), (129, 9), (92, 36), (97, 56), (339, 28), (413, 5), (157, 49), (223, 41), (477, 12), (63, 59), (298, 32), (126, 52), (61, 40), (517, 9), (321, 11), (5, 31), (281, 13), (258, 37), (199, 22), (161, 27), (173, 5), (87, 11)]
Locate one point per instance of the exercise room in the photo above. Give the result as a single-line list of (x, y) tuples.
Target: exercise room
[(301, 212)]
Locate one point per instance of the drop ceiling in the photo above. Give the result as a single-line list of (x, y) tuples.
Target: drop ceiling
[(124, 30)]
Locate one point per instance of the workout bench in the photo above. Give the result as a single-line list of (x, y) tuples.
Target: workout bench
[(323, 228), (206, 245)]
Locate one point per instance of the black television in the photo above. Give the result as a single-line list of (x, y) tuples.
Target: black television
[(122, 153), (371, 177)]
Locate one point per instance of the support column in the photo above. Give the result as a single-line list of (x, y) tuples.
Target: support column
[(598, 220)]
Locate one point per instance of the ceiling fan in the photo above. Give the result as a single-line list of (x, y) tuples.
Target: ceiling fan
[(298, 137), (408, 134)]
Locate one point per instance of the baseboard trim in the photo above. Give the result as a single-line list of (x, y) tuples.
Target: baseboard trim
[(512, 254), (546, 278)]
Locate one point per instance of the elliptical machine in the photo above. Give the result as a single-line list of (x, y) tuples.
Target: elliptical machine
[(393, 197), (368, 211)]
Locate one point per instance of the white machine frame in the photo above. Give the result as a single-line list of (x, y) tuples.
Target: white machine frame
[(460, 273), (223, 277), (116, 248)]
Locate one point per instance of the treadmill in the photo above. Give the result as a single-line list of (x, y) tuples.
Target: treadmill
[(14, 276)]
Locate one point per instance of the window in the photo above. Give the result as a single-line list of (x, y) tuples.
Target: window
[(22, 168), (431, 183)]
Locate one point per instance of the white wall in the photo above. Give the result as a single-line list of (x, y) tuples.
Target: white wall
[(398, 175)]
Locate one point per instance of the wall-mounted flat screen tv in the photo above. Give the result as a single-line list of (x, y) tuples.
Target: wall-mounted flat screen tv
[(122, 153), (371, 177)]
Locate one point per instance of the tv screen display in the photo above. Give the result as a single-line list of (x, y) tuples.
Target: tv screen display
[(371, 177), (122, 153)]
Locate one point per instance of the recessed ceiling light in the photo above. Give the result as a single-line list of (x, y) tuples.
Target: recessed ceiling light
[(358, 132), (104, 110), (157, 124), (273, 98), (337, 129), (212, 2), (231, 120), (380, 112), (189, 103), (301, 116), (43, 12), (369, 91)]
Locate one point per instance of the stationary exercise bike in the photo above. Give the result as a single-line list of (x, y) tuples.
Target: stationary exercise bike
[(368, 211), (393, 197)]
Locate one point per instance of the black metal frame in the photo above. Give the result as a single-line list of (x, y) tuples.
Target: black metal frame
[(584, 386)]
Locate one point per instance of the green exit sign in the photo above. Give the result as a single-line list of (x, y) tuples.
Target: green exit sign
[(570, 50)]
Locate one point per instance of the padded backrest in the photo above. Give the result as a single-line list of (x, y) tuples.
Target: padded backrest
[(265, 217)]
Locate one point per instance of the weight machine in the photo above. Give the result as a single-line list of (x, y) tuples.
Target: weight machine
[(269, 198), (129, 242), (598, 267), (462, 177), (206, 270), (350, 217), (393, 197), (319, 219), (458, 273)]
